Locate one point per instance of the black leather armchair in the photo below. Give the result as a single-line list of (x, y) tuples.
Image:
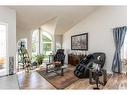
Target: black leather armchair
[(58, 61), (82, 69), (92, 67), (59, 56)]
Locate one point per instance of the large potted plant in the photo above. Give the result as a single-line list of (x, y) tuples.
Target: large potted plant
[(39, 59)]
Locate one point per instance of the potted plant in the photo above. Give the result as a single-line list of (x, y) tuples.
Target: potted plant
[(39, 59)]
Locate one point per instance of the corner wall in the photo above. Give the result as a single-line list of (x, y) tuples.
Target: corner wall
[(99, 27)]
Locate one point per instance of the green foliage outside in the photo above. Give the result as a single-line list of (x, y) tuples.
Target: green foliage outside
[(47, 44)]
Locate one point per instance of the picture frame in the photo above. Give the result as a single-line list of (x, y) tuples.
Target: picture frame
[(79, 42)]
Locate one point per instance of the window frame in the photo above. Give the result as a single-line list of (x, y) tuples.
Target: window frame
[(7, 56), (40, 41)]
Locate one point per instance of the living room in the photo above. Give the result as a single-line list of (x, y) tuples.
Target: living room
[(60, 25)]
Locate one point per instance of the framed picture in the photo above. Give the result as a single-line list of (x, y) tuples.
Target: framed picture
[(79, 42)]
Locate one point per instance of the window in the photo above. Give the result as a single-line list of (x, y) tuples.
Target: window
[(47, 44), (3, 47), (35, 41), (124, 49), (41, 44), (35, 44), (124, 54)]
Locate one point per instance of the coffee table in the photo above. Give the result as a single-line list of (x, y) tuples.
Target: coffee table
[(51, 68)]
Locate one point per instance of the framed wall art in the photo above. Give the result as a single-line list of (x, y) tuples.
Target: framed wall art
[(79, 42)]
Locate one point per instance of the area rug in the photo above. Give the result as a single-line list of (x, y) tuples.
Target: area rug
[(58, 81)]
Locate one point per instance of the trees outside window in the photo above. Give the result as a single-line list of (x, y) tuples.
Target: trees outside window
[(41, 44)]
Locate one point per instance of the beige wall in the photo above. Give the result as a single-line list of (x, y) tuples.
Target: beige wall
[(99, 26), (9, 16)]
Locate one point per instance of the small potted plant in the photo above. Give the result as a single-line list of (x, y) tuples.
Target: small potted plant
[(39, 59)]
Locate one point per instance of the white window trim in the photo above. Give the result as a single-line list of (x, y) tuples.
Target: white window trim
[(41, 41)]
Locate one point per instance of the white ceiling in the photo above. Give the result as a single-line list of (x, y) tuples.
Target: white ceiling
[(32, 17)]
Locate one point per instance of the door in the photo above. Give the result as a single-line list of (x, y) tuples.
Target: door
[(3, 49)]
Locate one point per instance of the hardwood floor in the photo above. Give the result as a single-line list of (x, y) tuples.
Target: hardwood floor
[(117, 81), (33, 80), (82, 84)]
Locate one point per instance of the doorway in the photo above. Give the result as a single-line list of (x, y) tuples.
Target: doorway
[(3, 49)]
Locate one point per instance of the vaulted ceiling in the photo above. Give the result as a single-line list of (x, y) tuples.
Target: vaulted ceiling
[(32, 17)]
